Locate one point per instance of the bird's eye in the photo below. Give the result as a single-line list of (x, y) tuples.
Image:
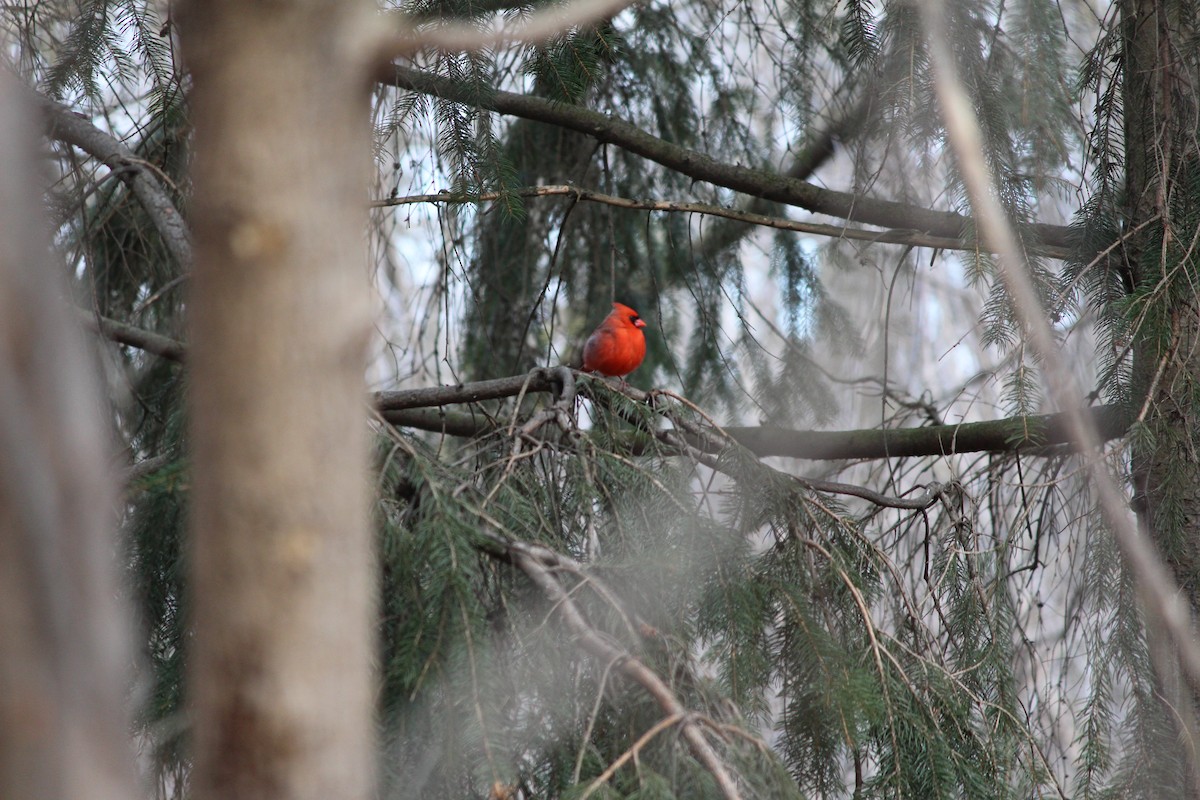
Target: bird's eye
[(634, 318)]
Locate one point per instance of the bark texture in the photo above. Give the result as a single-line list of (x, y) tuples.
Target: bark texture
[(281, 569), (1161, 156), (1161, 160)]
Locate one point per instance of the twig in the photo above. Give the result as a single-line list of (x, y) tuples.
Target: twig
[(642, 741), (591, 724), (921, 501), (146, 467), (552, 559), (461, 37)]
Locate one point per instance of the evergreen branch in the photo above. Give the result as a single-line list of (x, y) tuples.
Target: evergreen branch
[(1168, 615), (528, 560), (905, 237), (643, 740), (922, 501), (699, 166), (442, 13), (701, 441), (147, 466), (68, 127), (818, 149)]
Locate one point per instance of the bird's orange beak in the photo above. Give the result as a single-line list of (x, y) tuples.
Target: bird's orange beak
[(640, 324)]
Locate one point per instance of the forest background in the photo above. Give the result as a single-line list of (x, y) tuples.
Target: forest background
[(297, 498)]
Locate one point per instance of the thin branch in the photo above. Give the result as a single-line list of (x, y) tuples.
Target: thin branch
[(922, 501), (642, 741), (147, 467), (70, 128), (699, 166), (904, 237), (818, 148), (459, 37)]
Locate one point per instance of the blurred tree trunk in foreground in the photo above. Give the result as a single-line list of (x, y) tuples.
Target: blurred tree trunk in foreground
[(282, 578), (64, 647)]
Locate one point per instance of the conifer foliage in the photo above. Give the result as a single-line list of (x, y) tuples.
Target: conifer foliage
[(695, 585)]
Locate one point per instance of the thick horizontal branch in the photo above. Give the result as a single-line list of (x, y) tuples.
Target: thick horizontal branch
[(699, 166), (423, 409), (144, 340), (70, 128), (439, 420), (1005, 435), (536, 381), (995, 436), (904, 237)]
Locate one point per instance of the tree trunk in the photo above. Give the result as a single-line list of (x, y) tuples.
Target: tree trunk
[(282, 577), (1160, 151), (1160, 154), (64, 638)]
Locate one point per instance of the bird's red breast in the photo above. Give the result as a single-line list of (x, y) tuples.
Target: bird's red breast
[(617, 346)]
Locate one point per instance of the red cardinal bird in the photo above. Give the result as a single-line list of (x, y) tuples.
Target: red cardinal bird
[(617, 346)]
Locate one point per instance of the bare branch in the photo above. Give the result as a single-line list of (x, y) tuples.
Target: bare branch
[(540, 380), (1006, 435), (904, 237), (643, 740), (144, 340), (924, 500), (699, 166), (1033, 434), (458, 37)]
